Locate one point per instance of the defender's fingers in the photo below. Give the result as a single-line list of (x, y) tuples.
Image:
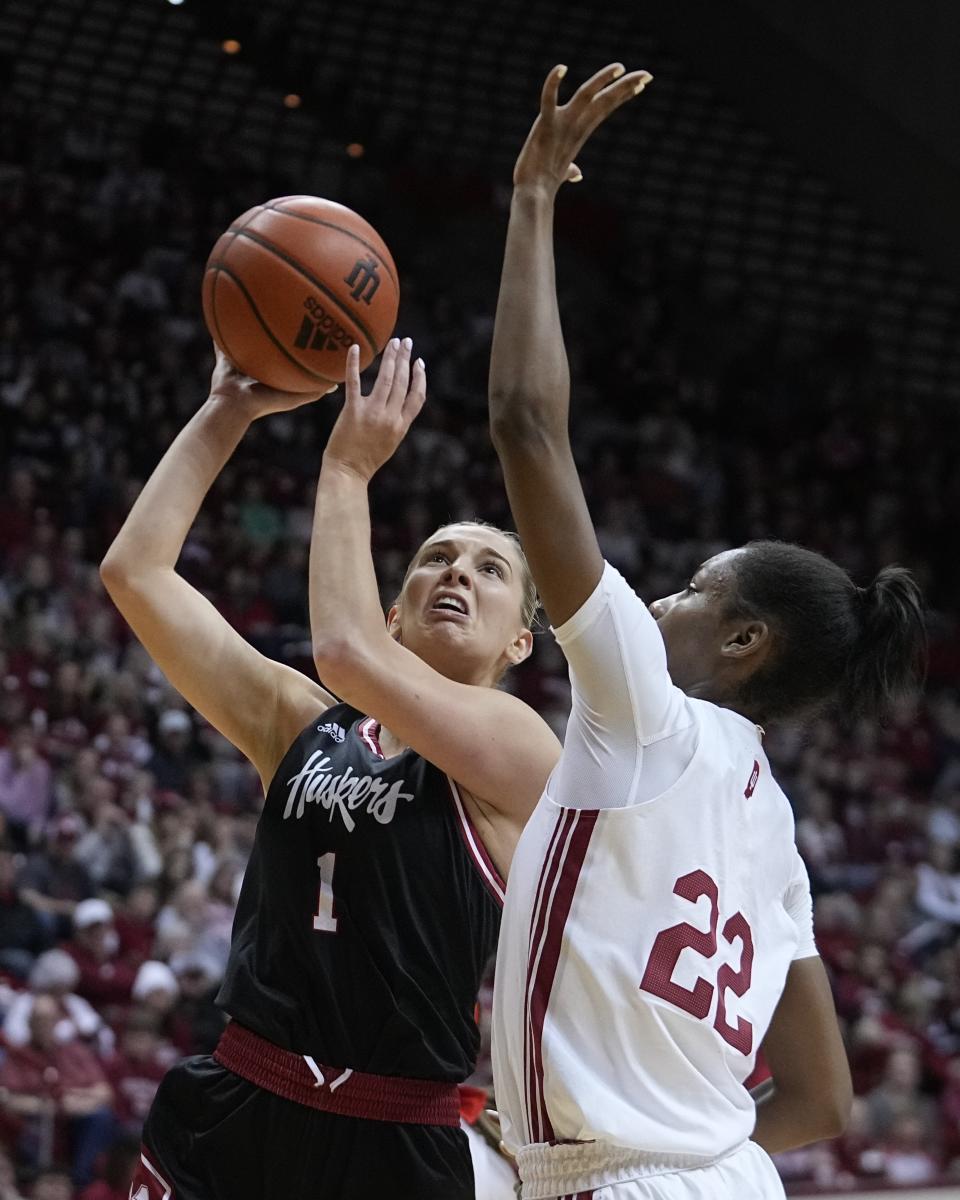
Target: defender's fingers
[(614, 97), (401, 376), (351, 384), (551, 89), (417, 394), (596, 83)]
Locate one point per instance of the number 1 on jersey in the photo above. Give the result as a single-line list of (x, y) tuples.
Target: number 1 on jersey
[(325, 921)]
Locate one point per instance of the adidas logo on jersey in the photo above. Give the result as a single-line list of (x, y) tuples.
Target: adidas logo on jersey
[(337, 732)]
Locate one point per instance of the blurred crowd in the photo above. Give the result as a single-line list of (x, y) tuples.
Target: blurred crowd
[(126, 820)]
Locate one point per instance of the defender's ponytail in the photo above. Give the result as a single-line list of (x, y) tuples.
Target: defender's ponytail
[(887, 661), (833, 642)]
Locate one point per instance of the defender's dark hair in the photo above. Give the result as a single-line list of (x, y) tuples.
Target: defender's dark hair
[(861, 648)]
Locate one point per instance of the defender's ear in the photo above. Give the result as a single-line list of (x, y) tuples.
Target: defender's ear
[(747, 640), (393, 623)]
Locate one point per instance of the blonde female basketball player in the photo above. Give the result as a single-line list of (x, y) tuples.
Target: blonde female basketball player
[(658, 921), (371, 903)]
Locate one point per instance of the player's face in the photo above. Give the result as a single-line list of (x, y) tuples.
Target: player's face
[(694, 625), (461, 605)]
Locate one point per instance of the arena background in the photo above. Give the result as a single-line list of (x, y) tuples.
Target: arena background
[(759, 286)]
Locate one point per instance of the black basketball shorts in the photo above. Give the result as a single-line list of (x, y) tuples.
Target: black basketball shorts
[(211, 1135)]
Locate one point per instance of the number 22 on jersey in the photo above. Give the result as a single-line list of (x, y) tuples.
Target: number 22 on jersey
[(698, 1000)]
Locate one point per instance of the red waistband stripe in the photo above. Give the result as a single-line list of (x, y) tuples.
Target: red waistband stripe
[(339, 1090)]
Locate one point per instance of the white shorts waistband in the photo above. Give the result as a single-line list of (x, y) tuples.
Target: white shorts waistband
[(549, 1170)]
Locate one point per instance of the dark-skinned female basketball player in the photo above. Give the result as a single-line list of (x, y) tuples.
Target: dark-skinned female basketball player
[(658, 924)]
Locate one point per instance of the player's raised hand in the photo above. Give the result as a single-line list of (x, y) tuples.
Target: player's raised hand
[(370, 428), (229, 383), (547, 159)]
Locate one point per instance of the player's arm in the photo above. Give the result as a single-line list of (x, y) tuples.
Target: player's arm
[(812, 1091), (258, 704), (493, 744), (529, 376)]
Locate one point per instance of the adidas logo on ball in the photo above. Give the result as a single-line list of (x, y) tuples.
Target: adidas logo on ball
[(319, 330)]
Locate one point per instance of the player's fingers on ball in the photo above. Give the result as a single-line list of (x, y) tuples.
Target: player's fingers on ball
[(551, 89)]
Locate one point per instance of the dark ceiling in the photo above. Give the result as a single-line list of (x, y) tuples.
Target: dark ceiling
[(725, 157)]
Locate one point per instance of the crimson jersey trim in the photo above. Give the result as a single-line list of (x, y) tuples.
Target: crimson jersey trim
[(475, 847)]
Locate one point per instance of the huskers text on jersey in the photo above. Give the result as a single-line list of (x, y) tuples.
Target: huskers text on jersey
[(316, 784)]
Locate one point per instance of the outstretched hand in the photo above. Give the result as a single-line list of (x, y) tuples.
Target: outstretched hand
[(370, 428), (547, 159), (229, 383)]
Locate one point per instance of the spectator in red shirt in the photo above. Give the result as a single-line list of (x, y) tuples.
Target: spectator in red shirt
[(135, 922), (56, 974), (55, 1089), (122, 1158), (105, 978), (136, 1069)]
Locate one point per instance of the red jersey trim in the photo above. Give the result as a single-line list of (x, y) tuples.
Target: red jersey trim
[(478, 851), (559, 876), (369, 730)]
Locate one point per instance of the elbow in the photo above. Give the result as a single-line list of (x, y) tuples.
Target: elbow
[(121, 576), (836, 1114), (520, 424), (827, 1115), (114, 572), (339, 663)]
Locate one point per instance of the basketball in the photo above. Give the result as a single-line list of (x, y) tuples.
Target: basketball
[(292, 284)]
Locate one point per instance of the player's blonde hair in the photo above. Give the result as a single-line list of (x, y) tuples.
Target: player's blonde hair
[(531, 601)]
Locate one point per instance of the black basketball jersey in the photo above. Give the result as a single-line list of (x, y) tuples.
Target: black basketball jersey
[(369, 910)]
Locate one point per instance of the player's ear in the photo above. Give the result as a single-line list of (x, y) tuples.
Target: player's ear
[(393, 623), (520, 648)]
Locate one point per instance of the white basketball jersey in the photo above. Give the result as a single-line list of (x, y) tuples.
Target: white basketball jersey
[(655, 903)]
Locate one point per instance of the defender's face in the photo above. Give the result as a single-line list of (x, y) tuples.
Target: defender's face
[(693, 623), (461, 604)]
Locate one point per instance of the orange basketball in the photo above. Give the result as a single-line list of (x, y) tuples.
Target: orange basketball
[(292, 284)]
